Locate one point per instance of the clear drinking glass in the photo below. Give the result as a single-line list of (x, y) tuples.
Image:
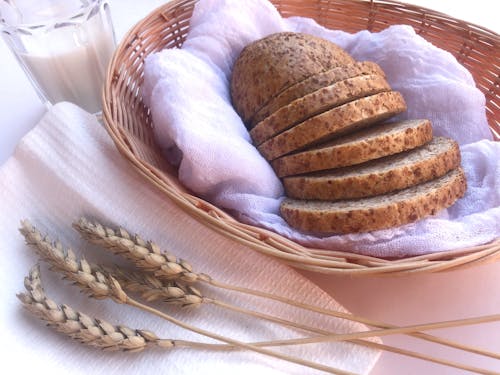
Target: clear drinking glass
[(64, 46)]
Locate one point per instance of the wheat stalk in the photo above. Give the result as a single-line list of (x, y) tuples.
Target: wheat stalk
[(93, 331), (96, 332), (148, 256), (257, 347), (327, 336), (99, 285), (65, 260)]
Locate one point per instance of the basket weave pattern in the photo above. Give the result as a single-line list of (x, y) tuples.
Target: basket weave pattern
[(129, 123)]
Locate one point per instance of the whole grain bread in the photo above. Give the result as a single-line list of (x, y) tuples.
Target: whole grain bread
[(338, 121), (379, 176), (383, 211), (313, 83), (317, 102), (270, 65), (367, 144)]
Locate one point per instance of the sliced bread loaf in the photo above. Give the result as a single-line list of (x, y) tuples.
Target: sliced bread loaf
[(367, 144), (383, 211), (268, 66), (379, 176), (338, 121), (315, 82), (317, 102)]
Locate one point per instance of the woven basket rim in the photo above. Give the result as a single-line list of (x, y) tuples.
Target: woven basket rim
[(434, 12), (267, 242)]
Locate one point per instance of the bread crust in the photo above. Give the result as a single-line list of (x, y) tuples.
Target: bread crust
[(317, 102), (380, 176), (316, 82), (270, 65), (369, 214), (331, 124), (373, 143)]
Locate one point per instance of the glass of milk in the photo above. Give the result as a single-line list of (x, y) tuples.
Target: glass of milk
[(63, 45)]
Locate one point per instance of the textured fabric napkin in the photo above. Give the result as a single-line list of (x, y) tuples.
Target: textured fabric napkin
[(187, 91), (68, 167)]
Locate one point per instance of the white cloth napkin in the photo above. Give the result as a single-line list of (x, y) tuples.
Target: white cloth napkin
[(187, 91), (68, 167)]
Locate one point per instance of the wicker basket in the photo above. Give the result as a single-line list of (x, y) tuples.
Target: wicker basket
[(129, 123)]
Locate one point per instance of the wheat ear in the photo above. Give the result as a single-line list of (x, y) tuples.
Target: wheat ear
[(152, 289), (145, 255), (148, 256), (81, 327), (99, 285), (93, 279)]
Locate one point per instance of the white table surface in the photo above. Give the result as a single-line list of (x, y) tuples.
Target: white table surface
[(398, 300)]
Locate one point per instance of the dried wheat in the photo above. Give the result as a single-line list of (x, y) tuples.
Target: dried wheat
[(158, 293), (152, 289), (145, 255), (97, 332), (57, 256), (94, 279), (134, 248), (87, 330), (91, 281), (100, 285)]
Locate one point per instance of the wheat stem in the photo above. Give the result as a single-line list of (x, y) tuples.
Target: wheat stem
[(257, 347), (386, 332), (384, 326), (429, 358), (148, 256), (100, 334), (237, 343), (361, 342), (158, 295)]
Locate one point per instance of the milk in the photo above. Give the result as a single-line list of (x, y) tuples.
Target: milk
[(68, 62)]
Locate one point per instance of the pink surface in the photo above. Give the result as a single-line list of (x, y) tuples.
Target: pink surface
[(416, 299), (401, 300)]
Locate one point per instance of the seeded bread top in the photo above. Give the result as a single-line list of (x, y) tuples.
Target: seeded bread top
[(316, 82), (269, 65), (317, 102)]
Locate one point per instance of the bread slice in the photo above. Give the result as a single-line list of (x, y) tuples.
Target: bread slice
[(317, 102), (364, 145), (268, 66), (379, 176), (383, 211), (313, 83), (338, 121)]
